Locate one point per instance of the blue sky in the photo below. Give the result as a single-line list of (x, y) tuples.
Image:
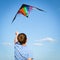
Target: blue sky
[(42, 28)]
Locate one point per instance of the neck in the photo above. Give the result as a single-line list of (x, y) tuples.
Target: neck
[(23, 44)]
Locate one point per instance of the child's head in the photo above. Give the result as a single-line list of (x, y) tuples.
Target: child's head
[(22, 38)]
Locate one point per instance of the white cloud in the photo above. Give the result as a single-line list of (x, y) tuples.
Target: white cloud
[(7, 44), (41, 41), (38, 44), (48, 39)]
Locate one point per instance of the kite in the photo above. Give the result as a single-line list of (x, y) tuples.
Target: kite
[(25, 10)]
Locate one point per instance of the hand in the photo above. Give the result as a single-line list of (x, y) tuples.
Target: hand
[(16, 33)]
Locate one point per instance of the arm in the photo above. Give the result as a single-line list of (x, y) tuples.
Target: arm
[(30, 56), (15, 40)]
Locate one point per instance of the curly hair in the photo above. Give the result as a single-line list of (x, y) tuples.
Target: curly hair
[(22, 38)]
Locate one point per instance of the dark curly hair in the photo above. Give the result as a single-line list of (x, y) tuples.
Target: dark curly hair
[(22, 38)]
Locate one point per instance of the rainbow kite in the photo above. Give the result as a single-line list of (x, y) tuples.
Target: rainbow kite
[(25, 10)]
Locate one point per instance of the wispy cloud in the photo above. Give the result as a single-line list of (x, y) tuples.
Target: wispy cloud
[(41, 41), (48, 39), (6, 44), (38, 44)]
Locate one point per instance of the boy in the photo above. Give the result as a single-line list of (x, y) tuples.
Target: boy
[(21, 51)]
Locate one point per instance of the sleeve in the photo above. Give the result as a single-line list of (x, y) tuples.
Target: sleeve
[(30, 55)]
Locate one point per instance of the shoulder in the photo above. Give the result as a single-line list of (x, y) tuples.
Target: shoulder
[(17, 45)]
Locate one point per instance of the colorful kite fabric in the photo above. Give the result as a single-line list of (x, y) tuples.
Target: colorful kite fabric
[(25, 10)]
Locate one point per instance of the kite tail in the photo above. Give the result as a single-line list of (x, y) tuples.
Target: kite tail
[(14, 18)]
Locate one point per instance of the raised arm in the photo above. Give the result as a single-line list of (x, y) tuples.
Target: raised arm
[(15, 40)]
